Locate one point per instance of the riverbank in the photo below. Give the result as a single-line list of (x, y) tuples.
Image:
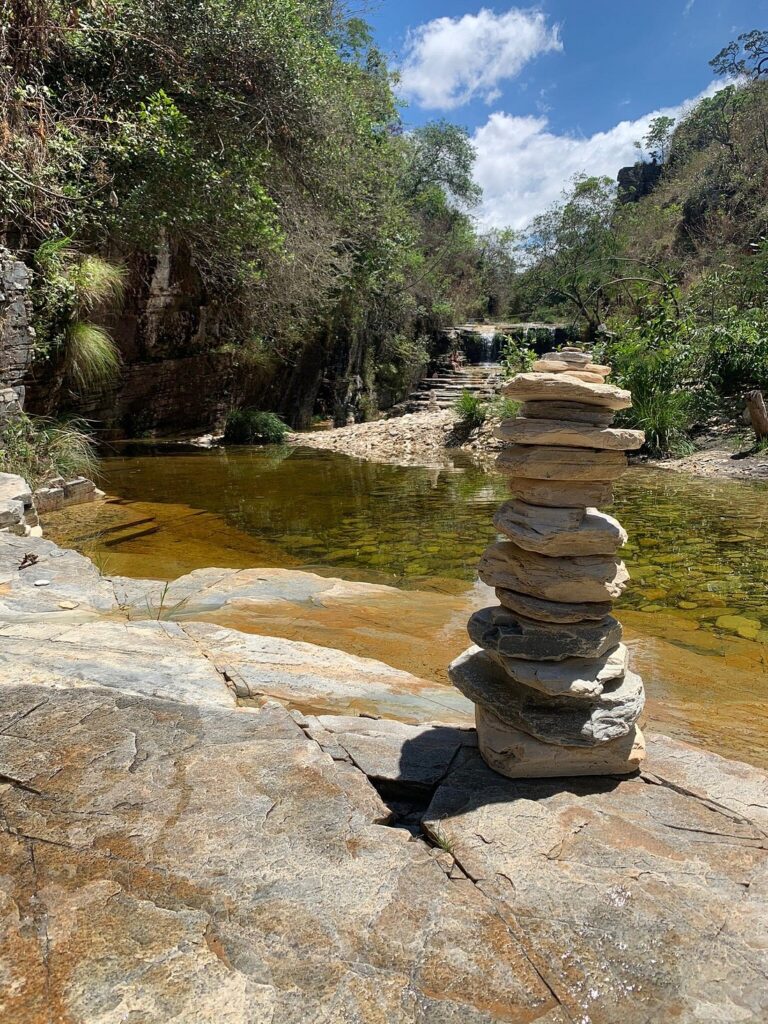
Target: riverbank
[(414, 439), (425, 438), (290, 858)]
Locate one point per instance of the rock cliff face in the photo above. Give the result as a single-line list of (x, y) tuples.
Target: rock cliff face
[(169, 855), (637, 181)]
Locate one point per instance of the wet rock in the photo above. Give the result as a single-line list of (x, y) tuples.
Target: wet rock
[(559, 531), (544, 387), (564, 432), (499, 630), (517, 755), (581, 579), (552, 611), (558, 720), (557, 463)]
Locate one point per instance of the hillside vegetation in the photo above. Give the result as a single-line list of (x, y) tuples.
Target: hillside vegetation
[(260, 139), (669, 277)]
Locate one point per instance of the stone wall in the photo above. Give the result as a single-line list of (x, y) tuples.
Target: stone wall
[(16, 334)]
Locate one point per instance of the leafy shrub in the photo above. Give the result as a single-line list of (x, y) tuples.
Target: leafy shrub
[(516, 355), (38, 449), (471, 409), (251, 426), (503, 408)]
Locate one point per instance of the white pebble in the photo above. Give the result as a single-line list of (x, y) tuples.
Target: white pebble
[(42, 583)]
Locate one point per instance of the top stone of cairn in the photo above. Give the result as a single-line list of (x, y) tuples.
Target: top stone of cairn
[(553, 691)]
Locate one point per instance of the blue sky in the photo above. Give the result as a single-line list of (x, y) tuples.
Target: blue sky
[(550, 90)]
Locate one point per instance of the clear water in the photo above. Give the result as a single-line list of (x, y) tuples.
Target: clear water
[(696, 611)]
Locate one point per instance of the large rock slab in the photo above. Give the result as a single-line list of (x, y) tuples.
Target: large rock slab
[(563, 531), (586, 578), (151, 659), (169, 863), (520, 756), (562, 493), (636, 902), (322, 679), (72, 586), (533, 462), (552, 611), (559, 720), (570, 433), (499, 630), (558, 387)]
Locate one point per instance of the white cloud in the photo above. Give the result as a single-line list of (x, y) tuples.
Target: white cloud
[(450, 61), (523, 167)]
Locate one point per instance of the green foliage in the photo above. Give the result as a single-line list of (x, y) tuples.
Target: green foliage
[(516, 355), (38, 449), (746, 55), (503, 408), (471, 409), (251, 426)]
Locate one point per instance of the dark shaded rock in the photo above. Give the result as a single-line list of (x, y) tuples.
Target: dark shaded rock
[(552, 611), (559, 720), (499, 630)]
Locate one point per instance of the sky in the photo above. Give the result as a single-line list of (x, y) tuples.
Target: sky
[(552, 90)]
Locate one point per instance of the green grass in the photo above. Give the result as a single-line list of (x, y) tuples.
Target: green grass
[(471, 409), (92, 355), (38, 448), (666, 417), (251, 426)]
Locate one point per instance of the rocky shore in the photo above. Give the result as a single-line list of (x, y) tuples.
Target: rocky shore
[(200, 825)]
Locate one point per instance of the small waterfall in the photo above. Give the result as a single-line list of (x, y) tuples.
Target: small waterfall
[(486, 345)]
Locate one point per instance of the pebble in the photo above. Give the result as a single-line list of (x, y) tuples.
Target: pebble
[(42, 583)]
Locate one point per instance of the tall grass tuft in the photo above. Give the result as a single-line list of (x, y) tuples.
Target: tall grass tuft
[(251, 426), (38, 449), (92, 355), (472, 410)]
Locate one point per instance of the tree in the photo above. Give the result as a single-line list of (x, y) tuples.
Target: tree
[(571, 249), (658, 137), (441, 155), (745, 56)]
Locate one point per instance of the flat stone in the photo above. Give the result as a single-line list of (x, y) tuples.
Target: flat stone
[(552, 611), (562, 493), (519, 756), (551, 366), (499, 630), (616, 888), (580, 579), (586, 375), (537, 462), (559, 387), (572, 677), (562, 720), (569, 356), (559, 531), (600, 368), (568, 433), (572, 411)]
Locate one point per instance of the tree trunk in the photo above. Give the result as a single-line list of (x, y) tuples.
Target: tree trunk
[(757, 414)]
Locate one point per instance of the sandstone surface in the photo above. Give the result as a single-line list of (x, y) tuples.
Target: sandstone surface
[(563, 531), (544, 387), (582, 579)]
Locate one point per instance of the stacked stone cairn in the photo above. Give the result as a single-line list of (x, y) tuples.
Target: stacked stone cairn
[(548, 673)]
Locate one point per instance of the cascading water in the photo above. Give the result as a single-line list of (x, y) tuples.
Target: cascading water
[(486, 346)]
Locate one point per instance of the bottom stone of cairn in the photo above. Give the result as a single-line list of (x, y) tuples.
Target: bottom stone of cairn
[(518, 755), (553, 692)]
